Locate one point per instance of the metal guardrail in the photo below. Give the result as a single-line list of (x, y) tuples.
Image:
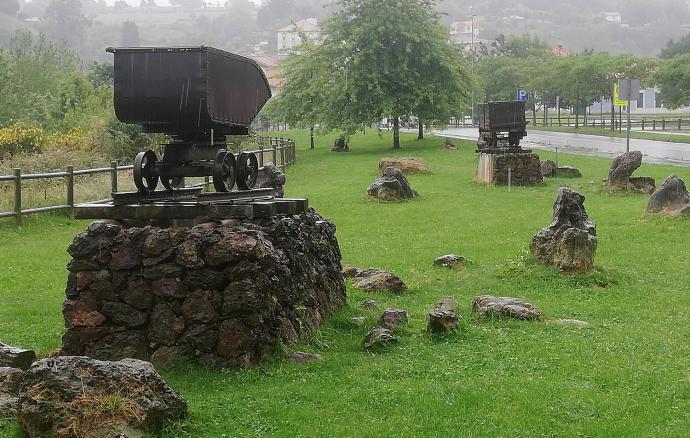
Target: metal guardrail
[(281, 151), (643, 123)]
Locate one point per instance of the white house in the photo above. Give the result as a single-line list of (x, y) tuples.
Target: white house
[(289, 36), (613, 17), (463, 33)]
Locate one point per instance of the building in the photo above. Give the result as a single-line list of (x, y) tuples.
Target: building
[(613, 17), (559, 51), (271, 67), (289, 37), (464, 33)]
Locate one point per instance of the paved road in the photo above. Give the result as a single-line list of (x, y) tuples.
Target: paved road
[(581, 144)]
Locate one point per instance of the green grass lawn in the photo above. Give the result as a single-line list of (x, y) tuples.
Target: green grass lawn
[(641, 135), (627, 374)]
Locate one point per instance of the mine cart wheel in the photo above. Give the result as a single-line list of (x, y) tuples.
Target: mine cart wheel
[(247, 170), (145, 177), (224, 171), (172, 182)]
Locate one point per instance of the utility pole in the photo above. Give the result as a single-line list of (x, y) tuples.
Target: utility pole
[(472, 64)]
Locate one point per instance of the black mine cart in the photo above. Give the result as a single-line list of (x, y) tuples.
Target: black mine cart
[(197, 96), (501, 122)]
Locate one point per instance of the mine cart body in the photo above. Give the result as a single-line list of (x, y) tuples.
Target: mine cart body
[(502, 121), (187, 91), (197, 96)]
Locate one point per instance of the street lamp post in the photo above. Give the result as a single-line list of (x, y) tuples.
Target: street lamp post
[(472, 66)]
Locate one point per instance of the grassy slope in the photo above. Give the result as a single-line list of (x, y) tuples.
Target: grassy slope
[(642, 135), (627, 374)]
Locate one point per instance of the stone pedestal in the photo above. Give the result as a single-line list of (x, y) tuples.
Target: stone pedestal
[(524, 169), (218, 295)]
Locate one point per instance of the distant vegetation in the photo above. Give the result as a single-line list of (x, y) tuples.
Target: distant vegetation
[(54, 112)]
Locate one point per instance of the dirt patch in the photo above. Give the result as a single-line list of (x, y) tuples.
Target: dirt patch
[(408, 165)]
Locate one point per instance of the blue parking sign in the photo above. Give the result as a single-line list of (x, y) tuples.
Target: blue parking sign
[(522, 95)]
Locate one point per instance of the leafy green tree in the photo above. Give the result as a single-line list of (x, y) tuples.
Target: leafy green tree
[(379, 59), (101, 73), (673, 78)]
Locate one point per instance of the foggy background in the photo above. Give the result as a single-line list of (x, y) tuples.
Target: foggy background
[(640, 27)]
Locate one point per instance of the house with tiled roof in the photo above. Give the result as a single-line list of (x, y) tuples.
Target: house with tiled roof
[(289, 37)]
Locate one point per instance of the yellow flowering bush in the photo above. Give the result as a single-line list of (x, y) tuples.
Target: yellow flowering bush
[(21, 137), (73, 140)]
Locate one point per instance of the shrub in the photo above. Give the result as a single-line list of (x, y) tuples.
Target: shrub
[(73, 140), (123, 141), (21, 138)]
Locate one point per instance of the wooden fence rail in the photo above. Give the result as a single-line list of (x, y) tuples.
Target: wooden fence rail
[(282, 152)]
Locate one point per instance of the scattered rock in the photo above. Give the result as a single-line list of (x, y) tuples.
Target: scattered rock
[(271, 177), (14, 357), (548, 168), (447, 303), (568, 172), (449, 261), (448, 145), (369, 304), (350, 271), (624, 165), (620, 180), (643, 184), (407, 165), (377, 280), (671, 198), (504, 307), (300, 357), (10, 380), (379, 337), (340, 145), (574, 322), (392, 186), (78, 396), (570, 242), (392, 318), (442, 321)]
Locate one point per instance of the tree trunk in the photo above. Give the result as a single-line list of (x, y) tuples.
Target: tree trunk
[(396, 133), (421, 130)]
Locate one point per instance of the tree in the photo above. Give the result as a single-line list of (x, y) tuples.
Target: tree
[(130, 34), (379, 59), (66, 21), (675, 48), (673, 78)]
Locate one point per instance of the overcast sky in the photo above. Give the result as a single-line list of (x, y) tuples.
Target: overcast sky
[(165, 2)]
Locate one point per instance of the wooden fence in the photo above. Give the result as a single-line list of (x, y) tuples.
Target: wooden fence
[(279, 151)]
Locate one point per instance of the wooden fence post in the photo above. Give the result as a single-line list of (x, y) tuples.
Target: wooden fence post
[(70, 189), (663, 124), (275, 152), (113, 176), (679, 122), (261, 156), (18, 195)]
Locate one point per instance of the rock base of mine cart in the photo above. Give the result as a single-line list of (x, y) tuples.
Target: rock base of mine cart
[(217, 295)]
